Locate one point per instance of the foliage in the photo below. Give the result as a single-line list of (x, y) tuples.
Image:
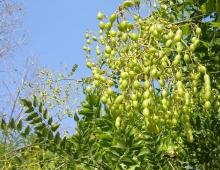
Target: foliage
[(153, 101)]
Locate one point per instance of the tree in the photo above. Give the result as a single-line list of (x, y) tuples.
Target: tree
[(153, 101)]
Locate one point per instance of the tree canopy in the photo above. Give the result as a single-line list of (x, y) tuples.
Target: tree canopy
[(152, 101)]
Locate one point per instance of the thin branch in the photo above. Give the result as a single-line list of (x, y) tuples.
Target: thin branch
[(171, 165)]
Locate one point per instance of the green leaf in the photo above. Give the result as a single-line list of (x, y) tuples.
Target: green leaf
[(35, 103), (128, 3), (186, 29), (11, 123), (128, 161), (18, 160), (50, 135), (26, 103), (215, 24), (45, 114), (86, 112), (63, 142), (41, 107), (3, 124), (76, 118), (29, 110), (26, 131), (40, 126), (36, 120), (55, 127), (50, 120), (45, 131), (19, 125), (57, 138), (31, 116)]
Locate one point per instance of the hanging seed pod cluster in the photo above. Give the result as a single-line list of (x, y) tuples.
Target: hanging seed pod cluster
[(148, 66)]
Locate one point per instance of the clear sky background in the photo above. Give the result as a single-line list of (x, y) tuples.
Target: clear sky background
[(54, 33), (55, 30)]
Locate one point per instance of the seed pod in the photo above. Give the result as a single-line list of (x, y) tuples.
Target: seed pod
[(136, 84), (119, 99), (170, 35), (168, 43), (134, 36), (202, 69), (192, 47), (128, 3), (190, 136), (198, 31), (146, 103), (101, 25), (124, 75), (108, 49), (135, 104), (207, 105), (147, 94), (177, 59), (113, 18), (118, 122), (124, 84), (186, 58), (124, 37), (100, 16), (104, 99)]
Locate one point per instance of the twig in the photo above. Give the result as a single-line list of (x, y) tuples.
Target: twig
[(171, 165)]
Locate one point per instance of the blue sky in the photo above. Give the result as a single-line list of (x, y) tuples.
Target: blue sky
[(55, 30), (54, 33)]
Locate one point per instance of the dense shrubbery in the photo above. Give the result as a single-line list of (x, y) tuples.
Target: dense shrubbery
[(151, 103)]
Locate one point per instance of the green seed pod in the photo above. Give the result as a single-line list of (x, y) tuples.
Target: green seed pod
[(128, 4), (179, 32), (194, 39), (207, 105), (146, 103), (186, 58), (124, 37), (88, 90), (104, 99), (192, 47), (136, 84), (147, 84), (146, 112), (108, 26), (109, 91), (164, 93), (154, 72), (123, 26), (124, 84), (101, 25), (100, 16), (124, 75), (206, 78), (202, 69), (119, 99), (170, 35), (147, 94), (134, 36), (113, 17), (177, 38), (177, 59), (108, 49), (198, 31), (168, 43), (190, 136), (135, 104), (118, 122), (178, 75)]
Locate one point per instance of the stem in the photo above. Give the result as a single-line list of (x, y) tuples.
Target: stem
[(171, 165)]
